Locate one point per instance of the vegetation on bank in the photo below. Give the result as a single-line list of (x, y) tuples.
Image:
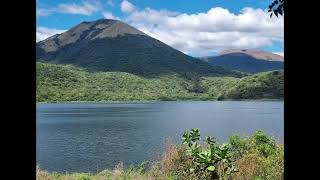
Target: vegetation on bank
[(242, 157), (65, 83), (268, 85)]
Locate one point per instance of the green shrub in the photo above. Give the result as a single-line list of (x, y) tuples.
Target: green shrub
[(264, 144), (272, 167), (216, 160), (83, 178)]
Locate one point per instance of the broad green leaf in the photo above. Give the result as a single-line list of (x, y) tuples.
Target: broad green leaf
[(211, 168)]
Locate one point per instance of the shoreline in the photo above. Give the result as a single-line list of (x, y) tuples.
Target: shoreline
[(148, 101), (175, 159)]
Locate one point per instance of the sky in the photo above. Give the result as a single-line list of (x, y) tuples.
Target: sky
[(196, 27)]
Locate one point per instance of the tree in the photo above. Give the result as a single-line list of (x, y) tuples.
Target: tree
[(276, 7)]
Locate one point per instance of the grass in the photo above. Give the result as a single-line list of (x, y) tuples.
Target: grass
[(258, 157)]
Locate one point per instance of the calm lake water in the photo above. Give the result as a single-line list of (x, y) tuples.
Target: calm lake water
[(93, 137)]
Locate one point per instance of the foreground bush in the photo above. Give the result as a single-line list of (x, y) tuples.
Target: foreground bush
[(256, 157)]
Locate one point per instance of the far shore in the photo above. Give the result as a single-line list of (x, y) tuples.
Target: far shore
[(150, 101)]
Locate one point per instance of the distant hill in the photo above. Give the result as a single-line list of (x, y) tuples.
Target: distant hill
[(246, 60), (109, 45), (258, 54), (60, 83), (266, 85)]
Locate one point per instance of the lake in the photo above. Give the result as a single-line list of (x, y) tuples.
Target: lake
[(91, 137)]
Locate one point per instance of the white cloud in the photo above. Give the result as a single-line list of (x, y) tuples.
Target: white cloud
[(127, 7), (204, 33), (279, 53), (85, 8), (44, 32), (109, 15), (43, 12)]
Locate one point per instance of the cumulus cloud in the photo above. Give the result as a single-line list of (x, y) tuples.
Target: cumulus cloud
[(44, 32), (109, 15), (127, 7), (85, 8), (208, 32)]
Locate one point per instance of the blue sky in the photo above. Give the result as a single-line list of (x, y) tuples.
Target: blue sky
[(195, 27)]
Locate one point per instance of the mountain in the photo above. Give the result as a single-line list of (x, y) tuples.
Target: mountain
[(258, 54), (62, 83), (110, 45), (247, 60)]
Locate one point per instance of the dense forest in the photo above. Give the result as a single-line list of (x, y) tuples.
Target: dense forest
[(65, 83)]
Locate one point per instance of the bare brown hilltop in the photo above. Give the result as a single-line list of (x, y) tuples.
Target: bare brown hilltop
[(89, 31), (247, 60), (258, 54)]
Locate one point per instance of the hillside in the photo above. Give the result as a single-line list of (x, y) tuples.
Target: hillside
[(250, 61), (109, 45), (263, 85), (69, 83)]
